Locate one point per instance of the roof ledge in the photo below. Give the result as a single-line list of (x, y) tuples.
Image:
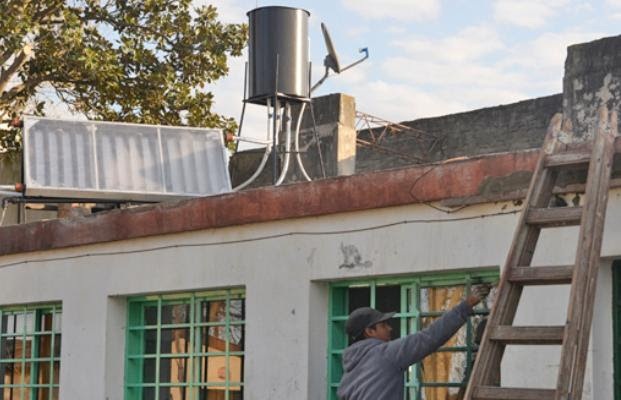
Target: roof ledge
[(484, 178)]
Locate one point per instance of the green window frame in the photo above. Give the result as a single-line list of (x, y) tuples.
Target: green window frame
[(411, 315), (30, 339), (186, 346)]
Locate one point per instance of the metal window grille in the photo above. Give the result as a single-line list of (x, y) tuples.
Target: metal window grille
[(30, 352), (186, 346), (418, 300)]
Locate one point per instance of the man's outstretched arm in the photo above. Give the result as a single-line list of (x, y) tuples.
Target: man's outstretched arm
[(413, 348)]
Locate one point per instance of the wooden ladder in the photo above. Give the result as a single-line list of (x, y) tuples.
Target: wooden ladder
[(518, 272)]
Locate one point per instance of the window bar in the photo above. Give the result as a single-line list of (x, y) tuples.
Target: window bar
[(206, 334), (403, 331), (227, 335), (331, 299), (403, 308), (50, 394), (372, 290), (417, 324), (22, 385), (158, 343), (418, 381), (243, 347), (469, 333), (192, 358), (14, 332), (411, 329), (34, 349)]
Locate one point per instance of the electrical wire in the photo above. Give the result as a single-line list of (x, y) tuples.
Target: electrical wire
[(266, 237)]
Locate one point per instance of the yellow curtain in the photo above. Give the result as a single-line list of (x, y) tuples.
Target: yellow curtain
[(438, 367)]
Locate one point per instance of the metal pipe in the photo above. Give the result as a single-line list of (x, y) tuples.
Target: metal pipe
[(241, 119), (265, 155), (275, 137), (297, 143), (285, 165), (2, 215), (249, 140)]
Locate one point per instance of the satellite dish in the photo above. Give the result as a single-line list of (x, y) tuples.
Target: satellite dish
[(331, 60)]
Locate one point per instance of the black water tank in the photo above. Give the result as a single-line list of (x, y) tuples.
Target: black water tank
[(278, 33)]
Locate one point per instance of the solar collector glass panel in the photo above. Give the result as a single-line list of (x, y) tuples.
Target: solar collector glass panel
[(86, 159)]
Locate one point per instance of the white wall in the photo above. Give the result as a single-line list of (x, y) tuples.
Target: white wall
[(286, 288)]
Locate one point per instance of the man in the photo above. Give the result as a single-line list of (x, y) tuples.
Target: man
[(374, 365)]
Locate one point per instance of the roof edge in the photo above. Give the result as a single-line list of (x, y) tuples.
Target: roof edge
[(465, 178)]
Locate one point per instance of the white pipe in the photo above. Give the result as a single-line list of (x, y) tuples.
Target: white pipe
[(250, 140), (266, 154), (8, 188), (285, 166), (297, 143), (3, 215), (9, 193)]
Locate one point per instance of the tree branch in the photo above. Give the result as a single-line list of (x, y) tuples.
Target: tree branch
[(42, 14), (16, 90), (18, 62)]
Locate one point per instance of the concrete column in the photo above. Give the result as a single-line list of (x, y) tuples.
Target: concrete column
[(83, 351), (335, 119), (592, 78)]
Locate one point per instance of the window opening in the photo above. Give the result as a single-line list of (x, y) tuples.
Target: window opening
[(186, 346), (30, 339), (418, 301)]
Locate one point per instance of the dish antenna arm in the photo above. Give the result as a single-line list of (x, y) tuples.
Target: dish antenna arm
[(364, 50), (325, 76)]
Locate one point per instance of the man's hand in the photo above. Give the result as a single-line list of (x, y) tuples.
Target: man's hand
[(478, 293)]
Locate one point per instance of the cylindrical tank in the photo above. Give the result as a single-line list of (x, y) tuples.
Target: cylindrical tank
[(278, 37)]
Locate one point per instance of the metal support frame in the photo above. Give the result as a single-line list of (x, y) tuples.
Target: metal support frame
[(372, 130)]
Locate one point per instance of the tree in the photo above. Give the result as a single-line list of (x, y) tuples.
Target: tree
[(144, 61)]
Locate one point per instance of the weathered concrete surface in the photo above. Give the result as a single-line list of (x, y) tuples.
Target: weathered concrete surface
[(477, 180), (510, 127), (592, 78), (417, 184), (335, 121)]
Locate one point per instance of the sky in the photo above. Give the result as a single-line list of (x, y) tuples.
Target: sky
[(431, 57)]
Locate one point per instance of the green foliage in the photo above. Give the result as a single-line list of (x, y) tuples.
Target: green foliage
[(144, 61)]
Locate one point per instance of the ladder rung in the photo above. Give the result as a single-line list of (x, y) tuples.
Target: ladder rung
[(555, 216), (505, 393), (552, 275), (528, 334), (567, 159)]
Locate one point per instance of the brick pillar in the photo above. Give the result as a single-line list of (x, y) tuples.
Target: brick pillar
[(592, 78)]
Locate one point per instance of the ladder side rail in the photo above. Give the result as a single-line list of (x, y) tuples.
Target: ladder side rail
[(584, 282)]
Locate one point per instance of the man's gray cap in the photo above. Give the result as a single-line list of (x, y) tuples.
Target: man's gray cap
[(364, 317)]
